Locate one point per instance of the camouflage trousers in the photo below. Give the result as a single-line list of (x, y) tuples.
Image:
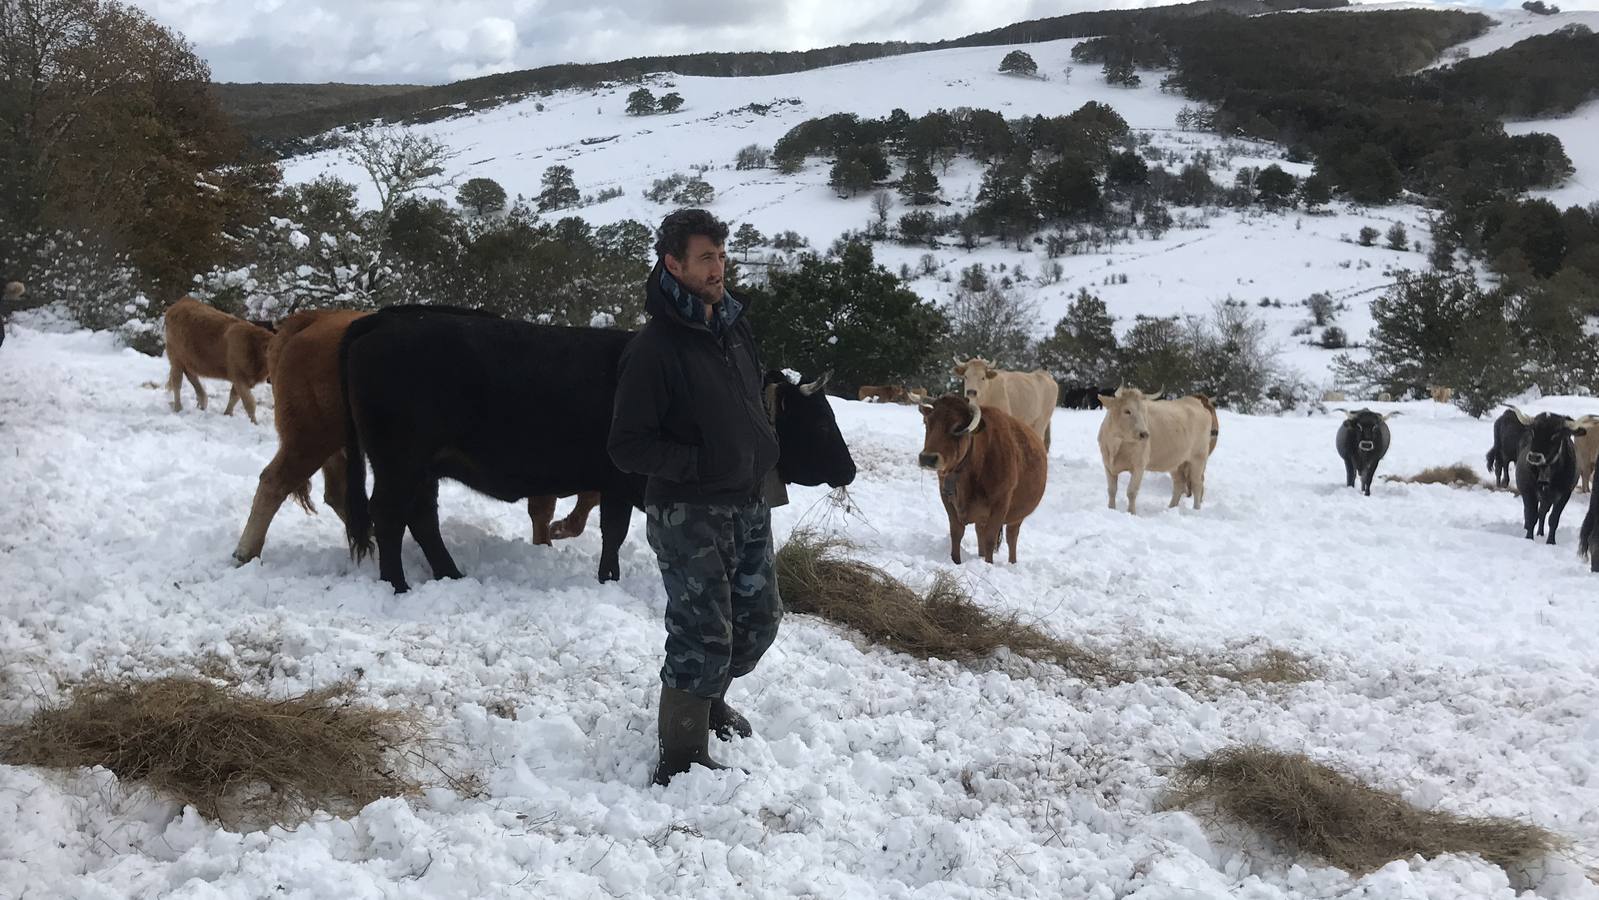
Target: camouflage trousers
[(722, 605)]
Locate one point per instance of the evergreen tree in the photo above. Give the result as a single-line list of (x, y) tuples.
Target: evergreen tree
[(1066, 189), (1017, 62), (641, 102), (1083, 348), (669, 103), (919, 186), (849, 176), (1273, 186), (848, 315), (560, 189), (481, 196), (1003, 205)]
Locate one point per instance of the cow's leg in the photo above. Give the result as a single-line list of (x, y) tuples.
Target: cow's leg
[(541, 509), (1349, 471), (616, 515), (1366, 477), (199, 390), (1179, 483), (577, 519), (233, 400), (270, 492), (1529, 511), (247, 397), (988, 533), (175, 385), (1011, 530), (957, 533), (1134, 480), (1110, 485), (1554, 514), (390, 506), (1196, 480), (334, 479), (424, 522)]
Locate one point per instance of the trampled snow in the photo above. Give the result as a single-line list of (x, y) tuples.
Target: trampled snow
[(1458, 668)]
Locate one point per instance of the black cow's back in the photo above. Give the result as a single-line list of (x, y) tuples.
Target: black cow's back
[(508, 408)]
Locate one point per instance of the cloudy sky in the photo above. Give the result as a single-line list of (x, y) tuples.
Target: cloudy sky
[(435, 41)]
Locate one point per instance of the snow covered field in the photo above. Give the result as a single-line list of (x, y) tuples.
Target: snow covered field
[(1243, 255), (1458, 668)]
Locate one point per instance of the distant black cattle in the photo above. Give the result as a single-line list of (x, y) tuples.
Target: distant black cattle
[(1546, 469), (1083, 397), (1507, 443), (1362, 441), (512, 410)]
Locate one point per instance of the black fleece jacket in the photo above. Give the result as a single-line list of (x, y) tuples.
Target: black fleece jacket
[(688, 412)]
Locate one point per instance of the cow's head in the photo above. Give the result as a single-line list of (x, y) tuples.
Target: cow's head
[(1546, 440), (14, 291), (1126, 411), (974, 372), (811, 450), (1366, 427), (951, 421)]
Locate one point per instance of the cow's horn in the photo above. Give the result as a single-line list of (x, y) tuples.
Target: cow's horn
[(1160, 393), (818, 384), (1523, 417), (977, 418), (1391, 415)]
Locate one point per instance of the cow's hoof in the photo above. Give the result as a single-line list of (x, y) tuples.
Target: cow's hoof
[(240, 560)]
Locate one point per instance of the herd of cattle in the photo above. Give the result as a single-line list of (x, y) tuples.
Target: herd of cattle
[(431, 392)]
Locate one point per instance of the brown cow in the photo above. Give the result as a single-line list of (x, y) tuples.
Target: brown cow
[(991, 471), (1440, 393), (1139, 435), (308, 413), (206, 342)]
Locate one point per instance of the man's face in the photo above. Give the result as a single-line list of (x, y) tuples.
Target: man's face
[(701, 268)]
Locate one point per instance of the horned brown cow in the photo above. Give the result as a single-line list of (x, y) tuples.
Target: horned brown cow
[(991, 471), (204, 342), (1139, 435)]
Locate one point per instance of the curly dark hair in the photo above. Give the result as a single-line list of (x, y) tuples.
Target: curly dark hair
[(680, 225)]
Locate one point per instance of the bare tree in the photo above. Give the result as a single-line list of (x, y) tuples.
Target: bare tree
[(400, 162), (882, 204)]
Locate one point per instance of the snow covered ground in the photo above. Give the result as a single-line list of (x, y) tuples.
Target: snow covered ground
[(1458, 669), (1246, 256)]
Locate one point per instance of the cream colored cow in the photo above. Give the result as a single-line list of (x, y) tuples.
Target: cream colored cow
[(1587, 448), (1140, 435), (1028, 396)]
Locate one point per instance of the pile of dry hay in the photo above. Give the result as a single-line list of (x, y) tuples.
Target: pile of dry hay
[(1354, 826), (225, 752), (1457, 475), (815, 576)]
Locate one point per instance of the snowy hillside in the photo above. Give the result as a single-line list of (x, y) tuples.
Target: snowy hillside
[(1457, 668), (1247, 256)]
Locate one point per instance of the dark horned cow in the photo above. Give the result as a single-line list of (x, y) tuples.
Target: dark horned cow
[(1507, 443), (511, 410), (1546, 469), (1362, 441)]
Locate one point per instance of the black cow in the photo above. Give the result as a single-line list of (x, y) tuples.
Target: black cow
[(1083, 397), (1546, 468), (1588, 537), (512, 410), (1507, 443), (1362, 441)]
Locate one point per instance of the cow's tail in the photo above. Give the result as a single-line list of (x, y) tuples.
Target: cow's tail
[(302, 496), (1589, 523), (357, 514), (1493, 460)]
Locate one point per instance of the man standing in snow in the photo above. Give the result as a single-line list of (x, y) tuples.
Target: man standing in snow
[(689, 415)]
